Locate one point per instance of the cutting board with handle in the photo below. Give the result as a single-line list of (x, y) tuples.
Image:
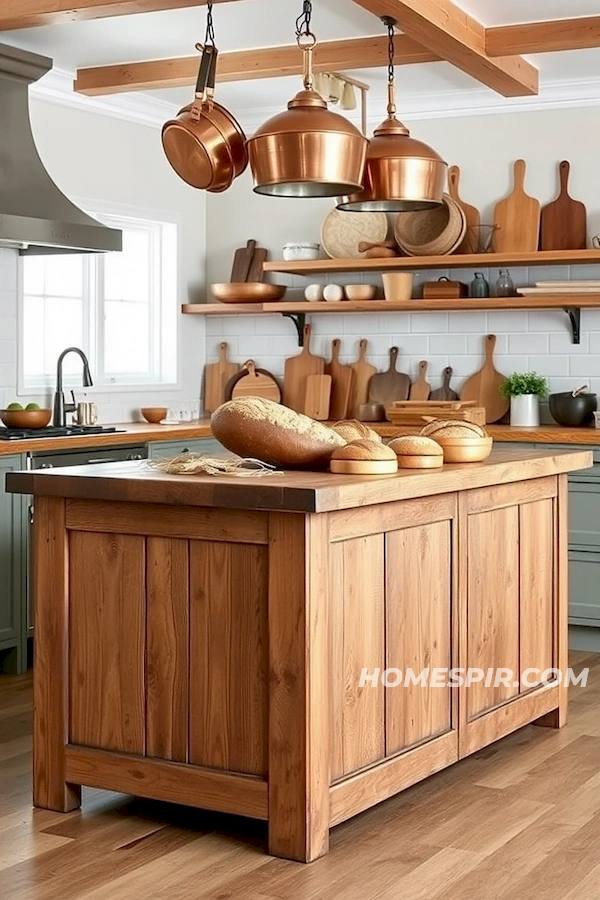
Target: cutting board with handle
[(484, 386), (385, 387), (342, 378), (517, 218), (242, 260), (471, 238), (444, 392), (318, 394), (216, 376), (363, 372), (421, 389), (296, 371), (259, 258), (253, 382), (564, 221)]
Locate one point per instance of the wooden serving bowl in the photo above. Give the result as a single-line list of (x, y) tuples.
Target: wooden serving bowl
[(465, 449), (360, 291), (154, 414), (247, 292), (25, 418)]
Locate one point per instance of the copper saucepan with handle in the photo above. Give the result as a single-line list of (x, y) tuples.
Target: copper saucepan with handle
[(205, 144)]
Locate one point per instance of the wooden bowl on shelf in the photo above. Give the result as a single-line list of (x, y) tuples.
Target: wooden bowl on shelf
[(247, 292), (154, 414), (360, 291), (26, 418)]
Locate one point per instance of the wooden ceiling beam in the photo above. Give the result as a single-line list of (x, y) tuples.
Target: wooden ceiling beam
[(453, 35), (31, 13), (543, 37), (245, 65)]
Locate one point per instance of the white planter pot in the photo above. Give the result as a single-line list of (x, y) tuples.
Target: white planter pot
[(525, 410)]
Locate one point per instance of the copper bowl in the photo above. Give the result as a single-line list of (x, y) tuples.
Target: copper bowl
[(154, 414), (25, 418), (247, 292)]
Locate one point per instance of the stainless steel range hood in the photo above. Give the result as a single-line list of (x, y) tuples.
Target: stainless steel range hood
[(35, 216)]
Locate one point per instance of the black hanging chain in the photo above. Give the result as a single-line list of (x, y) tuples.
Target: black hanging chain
[(390, 25), (209, 39), (303, 20)]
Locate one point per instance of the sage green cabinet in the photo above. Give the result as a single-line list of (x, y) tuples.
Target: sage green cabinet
[(173, 448), (13, 535)]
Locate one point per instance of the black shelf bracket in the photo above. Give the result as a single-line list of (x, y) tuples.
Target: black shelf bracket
[(574, 314), (299, 320)]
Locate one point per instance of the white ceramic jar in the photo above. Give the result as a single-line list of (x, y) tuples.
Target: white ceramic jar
[(298, 252)]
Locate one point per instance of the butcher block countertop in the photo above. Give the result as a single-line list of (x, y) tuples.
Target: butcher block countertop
[(306, 492), (543, 434)]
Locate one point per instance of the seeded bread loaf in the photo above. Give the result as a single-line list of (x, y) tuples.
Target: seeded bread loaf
[(265, 430), (452, 428), (364, 450), (415, 445), (353, 430)]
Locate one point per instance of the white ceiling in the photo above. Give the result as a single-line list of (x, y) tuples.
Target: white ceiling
[(259, 23)]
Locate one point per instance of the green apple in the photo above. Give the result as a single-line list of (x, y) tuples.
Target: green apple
[(14, 406), (32, 406)]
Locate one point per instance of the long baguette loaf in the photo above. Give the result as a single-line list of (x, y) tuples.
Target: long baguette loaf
[(252, 426)]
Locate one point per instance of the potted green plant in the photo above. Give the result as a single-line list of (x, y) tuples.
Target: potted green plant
[(524, 390)]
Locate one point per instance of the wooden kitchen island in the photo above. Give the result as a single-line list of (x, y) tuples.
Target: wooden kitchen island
[(200, 640)]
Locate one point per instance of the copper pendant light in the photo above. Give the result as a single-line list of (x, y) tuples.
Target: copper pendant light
[(307, 151), (401, 173)]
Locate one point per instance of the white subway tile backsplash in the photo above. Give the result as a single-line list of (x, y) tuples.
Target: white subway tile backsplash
[(549, 365), (440, 344), (468, 322), (545, 320), (510, 320), (585, 367), (428, 322), (562, 342), (410, 344), (527, 343)]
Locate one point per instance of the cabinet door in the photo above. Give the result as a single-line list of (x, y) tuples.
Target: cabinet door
[(510, 605), (11, 560), (158, 449), (584, 588)]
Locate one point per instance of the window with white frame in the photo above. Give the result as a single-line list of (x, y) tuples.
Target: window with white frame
[(119, 308)]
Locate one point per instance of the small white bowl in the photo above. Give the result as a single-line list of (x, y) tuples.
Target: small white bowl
[(333, 292), (298, 252), (313, 292)]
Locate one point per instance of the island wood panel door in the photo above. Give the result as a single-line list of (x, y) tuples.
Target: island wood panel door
[(228, 682), (107, 641), (419, 633), (357, 622), (509, 604), (167, 645)]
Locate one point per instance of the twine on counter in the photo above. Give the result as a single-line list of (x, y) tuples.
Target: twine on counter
[(196, 464)]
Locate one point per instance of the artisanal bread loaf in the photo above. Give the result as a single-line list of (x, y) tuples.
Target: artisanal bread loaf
[(353, 430), (265, 430), (415, 445), (364, 449), (453, 428)]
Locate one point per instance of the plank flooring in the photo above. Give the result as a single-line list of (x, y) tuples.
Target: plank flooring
[(519, 820)]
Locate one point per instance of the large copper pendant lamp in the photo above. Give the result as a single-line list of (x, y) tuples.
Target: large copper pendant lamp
[(307, 151), (401, 173)]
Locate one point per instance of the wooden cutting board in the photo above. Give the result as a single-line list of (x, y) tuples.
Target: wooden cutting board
[(564, 221), (255, 273), (242, 260), (363, 372), (444, 392), (517, 218), (296, 371), (216, 376), (342, 378), (421, 389), (318, 394), (484, 386), (256, 383), (471, 238), (385, 387)]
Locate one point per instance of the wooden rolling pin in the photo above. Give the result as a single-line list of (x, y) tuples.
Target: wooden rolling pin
[(383, 250)]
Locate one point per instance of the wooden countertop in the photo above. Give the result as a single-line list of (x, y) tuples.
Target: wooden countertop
[(131, 433), (290, 491)]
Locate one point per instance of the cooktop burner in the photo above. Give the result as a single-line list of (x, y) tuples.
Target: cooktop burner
[(51, 431)]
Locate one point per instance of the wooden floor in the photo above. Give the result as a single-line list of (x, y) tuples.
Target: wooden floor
[(518, 820)]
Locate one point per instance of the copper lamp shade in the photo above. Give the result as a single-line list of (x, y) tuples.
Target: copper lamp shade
[(401, 173)]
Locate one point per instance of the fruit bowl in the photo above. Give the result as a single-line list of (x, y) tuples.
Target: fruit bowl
[(25, 418)]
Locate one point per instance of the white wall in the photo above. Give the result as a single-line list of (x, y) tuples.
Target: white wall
[(103, 159), (485, 148)]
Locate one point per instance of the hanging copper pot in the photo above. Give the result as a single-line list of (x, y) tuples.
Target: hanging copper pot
[(307, 151), (205, 144)]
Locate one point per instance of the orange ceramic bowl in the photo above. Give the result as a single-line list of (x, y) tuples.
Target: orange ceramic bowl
[(25, 418), (154, 414)]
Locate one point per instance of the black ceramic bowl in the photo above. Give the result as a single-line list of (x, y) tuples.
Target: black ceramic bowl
[(573, 411)]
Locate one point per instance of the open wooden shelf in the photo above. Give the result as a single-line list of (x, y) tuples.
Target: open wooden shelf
[(536, 301), (462, 261)]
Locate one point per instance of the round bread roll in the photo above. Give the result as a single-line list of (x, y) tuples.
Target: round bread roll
[(415, 445), (252, 426), (365, 450), (453, 428), (353, 430)]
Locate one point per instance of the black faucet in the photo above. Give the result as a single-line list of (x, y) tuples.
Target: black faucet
[(60, 407)]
